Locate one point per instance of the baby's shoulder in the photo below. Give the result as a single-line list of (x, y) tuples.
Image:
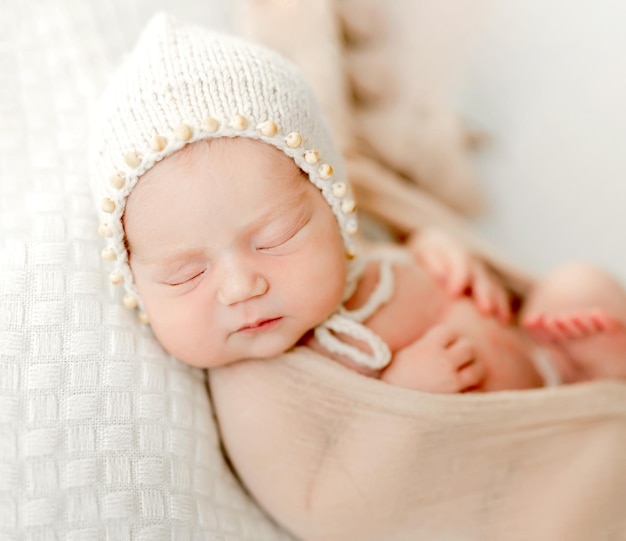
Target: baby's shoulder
[(416, 300), (375, 260)]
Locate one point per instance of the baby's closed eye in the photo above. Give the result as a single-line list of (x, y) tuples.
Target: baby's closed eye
[(185, 270), (281, 239), (184, 278)]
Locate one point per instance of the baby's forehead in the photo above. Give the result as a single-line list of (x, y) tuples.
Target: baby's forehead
[(207, 182), (241, 148), (221, 151)]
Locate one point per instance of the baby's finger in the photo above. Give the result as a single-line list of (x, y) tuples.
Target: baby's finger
[(503, 303), (436, 264), (471, 376), (442, 335), (459, 275), (482, 290), (461, 353), (491, 296)]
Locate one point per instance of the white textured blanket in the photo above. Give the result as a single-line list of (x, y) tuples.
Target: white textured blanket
[(102, 435)]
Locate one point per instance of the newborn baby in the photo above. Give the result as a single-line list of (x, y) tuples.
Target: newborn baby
[(232, 227)]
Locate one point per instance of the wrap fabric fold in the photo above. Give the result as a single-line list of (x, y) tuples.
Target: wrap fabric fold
[(334, 455)]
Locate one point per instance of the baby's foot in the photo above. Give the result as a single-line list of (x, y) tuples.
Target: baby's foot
[(572, 325), (593, 342)]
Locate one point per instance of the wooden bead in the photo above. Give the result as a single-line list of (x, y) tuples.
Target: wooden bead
[(239, 122), (325, 171), (268, 128), (132, 159), (130, 302), (184, 132), (107, 205), (117, 181), (108, 253), (116, 278), (339, 189), (293, 140), (104, 230), (158, 143), (210, 124), (311, 156), (348, 206)]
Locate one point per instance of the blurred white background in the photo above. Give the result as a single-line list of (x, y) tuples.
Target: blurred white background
[(546, 79)]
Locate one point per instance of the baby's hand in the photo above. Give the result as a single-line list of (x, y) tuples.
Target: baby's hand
[(461, 273), (441, 361)]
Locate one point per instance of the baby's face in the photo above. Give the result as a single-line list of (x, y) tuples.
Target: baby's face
[(234, 252)]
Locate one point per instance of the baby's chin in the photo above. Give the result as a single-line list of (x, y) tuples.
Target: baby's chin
[(264, 347), (264, 353)]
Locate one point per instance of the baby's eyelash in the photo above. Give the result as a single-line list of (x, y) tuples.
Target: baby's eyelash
[(278, 243), (186, 280)]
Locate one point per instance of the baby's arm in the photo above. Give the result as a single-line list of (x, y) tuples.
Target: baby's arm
[(441, 361), (460, 272)]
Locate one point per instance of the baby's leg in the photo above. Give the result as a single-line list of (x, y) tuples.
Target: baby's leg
[(581, 309)]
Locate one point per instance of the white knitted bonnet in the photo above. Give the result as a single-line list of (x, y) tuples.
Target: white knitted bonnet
[(183, 83)]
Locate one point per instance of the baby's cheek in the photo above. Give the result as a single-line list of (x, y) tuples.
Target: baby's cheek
[(174, 327), (166, 328), (186, 345)]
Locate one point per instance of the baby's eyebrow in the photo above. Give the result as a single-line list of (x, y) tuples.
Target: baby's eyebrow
[(288, 204), (175, 260)]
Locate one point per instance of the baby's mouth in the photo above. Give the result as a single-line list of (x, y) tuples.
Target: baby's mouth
[(260, 325)]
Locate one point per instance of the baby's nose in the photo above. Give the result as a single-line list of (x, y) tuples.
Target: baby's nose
[(239, 287)]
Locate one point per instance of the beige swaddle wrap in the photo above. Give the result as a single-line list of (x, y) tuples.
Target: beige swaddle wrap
[(338, 456)]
